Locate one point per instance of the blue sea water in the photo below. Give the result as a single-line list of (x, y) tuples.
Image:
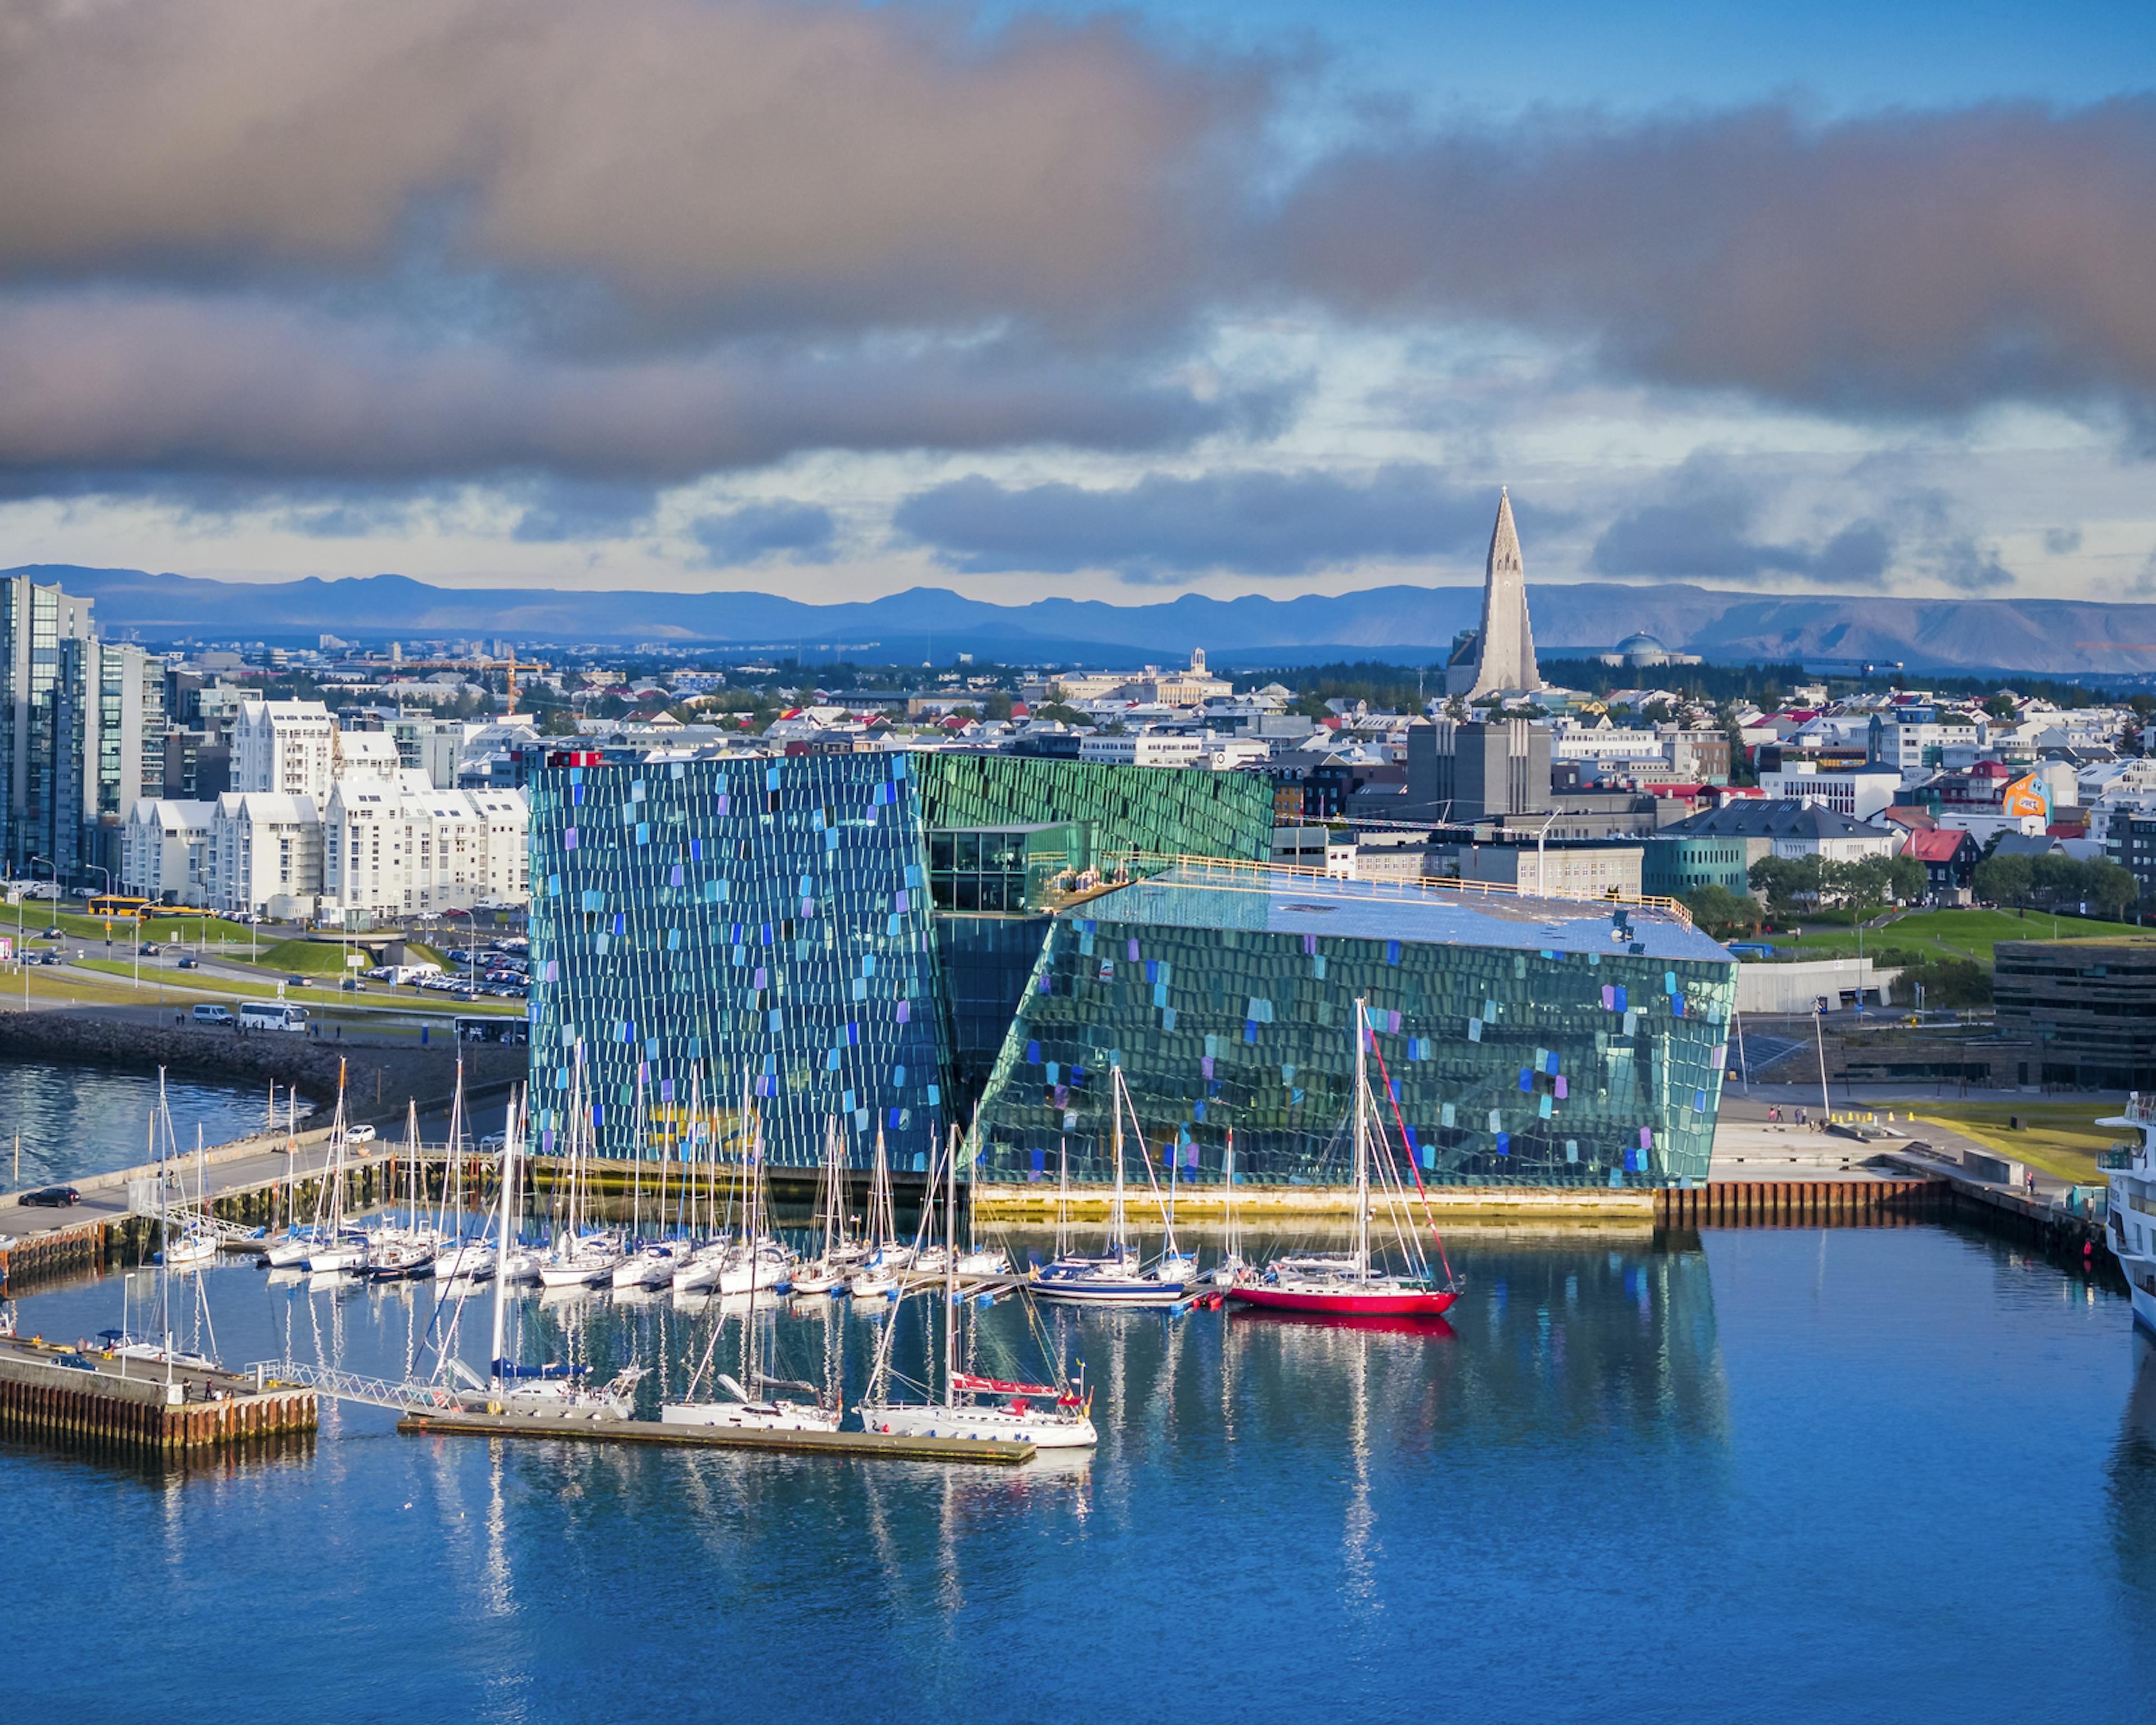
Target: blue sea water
[(1805, 1475), (75, 1120)]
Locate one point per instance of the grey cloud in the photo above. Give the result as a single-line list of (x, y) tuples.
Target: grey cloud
[(1704, 531), (1970, 566), (1163, 529), (742, 162), (104, 384), (802, 532), (555, 510), (1905, 262), (2062, 541)]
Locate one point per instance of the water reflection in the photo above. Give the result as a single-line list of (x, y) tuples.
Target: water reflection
[(2132, 1473), (75, 1120)]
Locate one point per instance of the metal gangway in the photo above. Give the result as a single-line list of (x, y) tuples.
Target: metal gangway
[(405, 1397)]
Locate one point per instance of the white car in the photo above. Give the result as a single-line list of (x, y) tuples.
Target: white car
[(359, 1135)]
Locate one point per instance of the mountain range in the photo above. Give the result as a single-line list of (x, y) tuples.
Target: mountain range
[(1401, 624)]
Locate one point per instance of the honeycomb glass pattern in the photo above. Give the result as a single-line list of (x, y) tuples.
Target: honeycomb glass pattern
[(718, 927), (1173, 810), (1526, 1042)]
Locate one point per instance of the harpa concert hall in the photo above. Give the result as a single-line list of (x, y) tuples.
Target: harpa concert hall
[(904, 942)]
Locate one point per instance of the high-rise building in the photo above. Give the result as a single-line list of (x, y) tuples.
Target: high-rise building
[(46, 688), (1477, 770), (286, 748), (1500, 656)]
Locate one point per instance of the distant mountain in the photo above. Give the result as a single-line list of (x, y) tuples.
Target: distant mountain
[(2056, 637)]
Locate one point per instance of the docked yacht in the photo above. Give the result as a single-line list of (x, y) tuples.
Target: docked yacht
[(2131, 1192)]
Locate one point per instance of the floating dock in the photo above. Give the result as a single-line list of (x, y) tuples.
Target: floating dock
[(873, 1444), (53, 1393)]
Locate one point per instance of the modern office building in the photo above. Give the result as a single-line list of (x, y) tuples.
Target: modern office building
[(48, 678), (2089, 1006), (1521, 1041), (1465, 772), (878, 941)]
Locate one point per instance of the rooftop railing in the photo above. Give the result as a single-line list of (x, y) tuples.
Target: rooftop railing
[(1231, 874)]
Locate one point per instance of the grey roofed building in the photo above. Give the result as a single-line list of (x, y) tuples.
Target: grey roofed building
[(1796, 828), (2028, 845)]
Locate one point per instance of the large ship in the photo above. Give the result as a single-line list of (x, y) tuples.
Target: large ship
[(2133, 1206)]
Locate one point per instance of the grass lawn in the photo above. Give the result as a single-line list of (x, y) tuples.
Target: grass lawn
[(195, 986), (2061, 1138), (1948, 934), (38, 916)]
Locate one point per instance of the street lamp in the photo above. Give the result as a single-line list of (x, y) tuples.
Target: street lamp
[(22, 953), (107, 894)]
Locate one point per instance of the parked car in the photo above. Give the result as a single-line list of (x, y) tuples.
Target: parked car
[(53, 1197), (211, 1013), (75, 1361), (360, 1134)]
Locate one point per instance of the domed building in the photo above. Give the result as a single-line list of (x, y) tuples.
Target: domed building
[(1638, 651)]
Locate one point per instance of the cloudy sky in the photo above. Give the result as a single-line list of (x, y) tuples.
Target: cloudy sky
[(836, 299)]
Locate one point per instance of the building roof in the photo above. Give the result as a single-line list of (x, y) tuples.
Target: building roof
[(1222, 896), (2027, 844), (1936, 844), (1770, 818)]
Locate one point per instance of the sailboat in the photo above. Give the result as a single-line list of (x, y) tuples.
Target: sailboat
[(650, 1264), (459, 1257), (582, 1257), (1358, 1286), (542, 1391), (1232, 1267), (198, 1241), (406, 1253), (336, 1247), (824, 1273), (1057, 1416), (977, 1263), (1116, 1276), (747, 1405), (877, 1278)]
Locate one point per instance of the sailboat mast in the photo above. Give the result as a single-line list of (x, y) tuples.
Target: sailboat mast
[(1116, 1205), (508, 1203), (1362, 1148), (950, 1275)]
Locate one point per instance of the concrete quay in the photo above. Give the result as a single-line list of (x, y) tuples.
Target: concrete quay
[(58, 1394)]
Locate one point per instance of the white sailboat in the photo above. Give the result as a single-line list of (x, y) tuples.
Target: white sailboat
[(747, 1403), (1232, 1267), (1116, 1276), (542, 1392), (581, 1256), (1057, 1416), (877, 1279)]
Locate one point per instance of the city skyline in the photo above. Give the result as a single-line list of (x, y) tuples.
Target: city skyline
[(1747, 302)]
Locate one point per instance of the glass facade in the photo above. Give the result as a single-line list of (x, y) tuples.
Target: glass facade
[(1170, 810), (738, 927), (1526, 1042)]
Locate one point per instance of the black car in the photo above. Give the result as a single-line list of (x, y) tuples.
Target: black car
[(56, 1198)]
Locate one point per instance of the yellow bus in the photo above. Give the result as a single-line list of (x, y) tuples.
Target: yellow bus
[(116, 904)]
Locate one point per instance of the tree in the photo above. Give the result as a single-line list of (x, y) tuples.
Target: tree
[(1999, 706), (1062, 715), (1723, 914), (557, 721), (2002, 880), (1785, 880), (999, 704)]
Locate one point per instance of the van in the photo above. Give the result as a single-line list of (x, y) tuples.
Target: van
[(272, 1015), (209, 1014)]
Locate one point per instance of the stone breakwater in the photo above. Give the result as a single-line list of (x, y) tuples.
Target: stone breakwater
[(379, 1080)]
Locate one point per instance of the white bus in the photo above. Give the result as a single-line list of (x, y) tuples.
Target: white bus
[(272, 1015)]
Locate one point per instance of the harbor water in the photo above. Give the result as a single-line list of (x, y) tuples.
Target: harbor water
[(75, 1120), (1802, 1476)]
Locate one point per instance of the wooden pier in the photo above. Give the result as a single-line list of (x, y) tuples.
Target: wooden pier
[(1802, 1204), (58, 1394), (876, 1444)]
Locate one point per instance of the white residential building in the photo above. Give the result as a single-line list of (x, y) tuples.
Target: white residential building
[(265, 853), (1604, 744), (1858, 792), (395, 845), (165, 850), (1147, 748), (287, 747)]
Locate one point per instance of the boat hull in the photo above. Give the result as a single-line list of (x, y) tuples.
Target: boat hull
[(1104, 1292), (1346, 1302), (985, 1425)]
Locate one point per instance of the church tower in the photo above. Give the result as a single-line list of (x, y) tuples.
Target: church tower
[(1504, 647)]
